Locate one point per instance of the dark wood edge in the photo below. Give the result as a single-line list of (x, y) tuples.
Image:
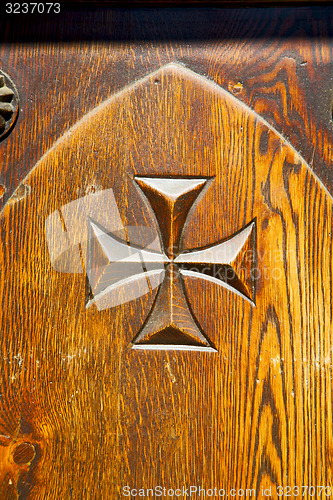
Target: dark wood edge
[(81, 4), (194, 3), (145, 20)]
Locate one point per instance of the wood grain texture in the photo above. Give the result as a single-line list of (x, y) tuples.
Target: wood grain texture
[(256, 414), (277, 61), (81, 413), (303, 66)]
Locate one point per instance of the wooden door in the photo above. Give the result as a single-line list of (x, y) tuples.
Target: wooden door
[(166, 253)]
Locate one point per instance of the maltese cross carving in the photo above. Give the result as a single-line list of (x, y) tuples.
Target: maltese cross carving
[(171, 324)]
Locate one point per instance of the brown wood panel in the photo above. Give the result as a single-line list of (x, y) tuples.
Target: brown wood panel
[(279, 64), (82, 413)]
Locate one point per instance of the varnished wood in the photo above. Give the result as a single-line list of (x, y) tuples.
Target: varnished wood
[(82, 413)]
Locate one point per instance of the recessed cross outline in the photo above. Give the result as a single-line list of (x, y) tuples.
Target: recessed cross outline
[(171, 324)]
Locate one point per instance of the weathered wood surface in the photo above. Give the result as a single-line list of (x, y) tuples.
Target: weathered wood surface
[(99, 414)]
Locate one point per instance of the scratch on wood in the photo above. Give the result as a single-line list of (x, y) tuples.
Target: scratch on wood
[(21, 192), (171, 375)]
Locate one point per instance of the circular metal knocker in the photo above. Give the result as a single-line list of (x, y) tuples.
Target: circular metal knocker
[(9, 104)]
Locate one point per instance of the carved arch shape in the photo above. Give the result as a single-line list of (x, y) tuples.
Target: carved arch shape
[(176, 123)]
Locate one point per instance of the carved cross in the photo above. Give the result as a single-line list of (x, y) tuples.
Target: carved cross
[(171, 323)]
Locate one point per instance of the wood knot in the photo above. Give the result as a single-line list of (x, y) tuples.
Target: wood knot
[(235, 87), (24, 453)]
